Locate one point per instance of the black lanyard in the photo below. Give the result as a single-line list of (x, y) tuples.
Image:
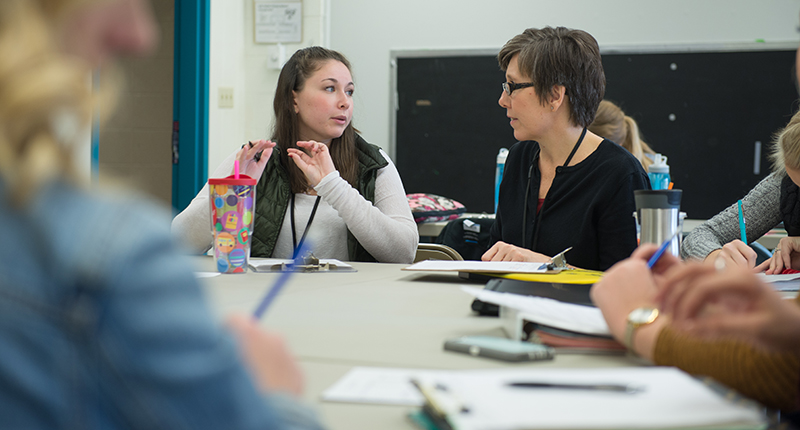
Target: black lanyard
[(528, 190), (305, 232)]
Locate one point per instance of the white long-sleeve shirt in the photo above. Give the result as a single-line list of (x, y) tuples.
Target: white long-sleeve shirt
[(385, 229)]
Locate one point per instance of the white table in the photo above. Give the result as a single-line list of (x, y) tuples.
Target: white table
[(379, 316)]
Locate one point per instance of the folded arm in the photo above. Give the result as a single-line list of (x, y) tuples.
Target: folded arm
[(386, 229)]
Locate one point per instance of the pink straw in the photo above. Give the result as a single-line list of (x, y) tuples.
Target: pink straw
[(236, 169)]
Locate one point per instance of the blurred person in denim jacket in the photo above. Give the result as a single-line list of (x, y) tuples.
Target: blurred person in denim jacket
[(102, 323)]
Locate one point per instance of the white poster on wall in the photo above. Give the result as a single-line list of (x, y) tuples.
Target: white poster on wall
[(277, 22)]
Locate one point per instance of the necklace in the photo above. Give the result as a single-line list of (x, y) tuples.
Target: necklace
[(308, 225), (528, 190)]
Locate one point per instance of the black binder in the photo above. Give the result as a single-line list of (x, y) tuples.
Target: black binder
[(570, 293)]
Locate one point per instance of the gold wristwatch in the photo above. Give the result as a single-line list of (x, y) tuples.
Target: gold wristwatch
[(637, 318)]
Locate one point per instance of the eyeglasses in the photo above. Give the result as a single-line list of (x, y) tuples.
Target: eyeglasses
[(510, 87)]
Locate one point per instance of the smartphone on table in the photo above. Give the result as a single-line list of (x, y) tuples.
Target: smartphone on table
[(500, 348)]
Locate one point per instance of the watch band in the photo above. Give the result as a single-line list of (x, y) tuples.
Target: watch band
[(635, 321), (630, 329)]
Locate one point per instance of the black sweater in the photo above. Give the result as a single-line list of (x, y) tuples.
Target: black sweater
[(589, 205)]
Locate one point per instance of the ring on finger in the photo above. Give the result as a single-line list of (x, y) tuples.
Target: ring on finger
[(777, 250)]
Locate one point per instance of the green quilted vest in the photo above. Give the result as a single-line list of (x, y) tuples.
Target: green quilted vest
[(273, 193)]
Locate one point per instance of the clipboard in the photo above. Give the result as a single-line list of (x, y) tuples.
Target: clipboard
[(276, 265), (653, 397)]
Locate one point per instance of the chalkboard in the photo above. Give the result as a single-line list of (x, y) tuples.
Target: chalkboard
[(712, 111)]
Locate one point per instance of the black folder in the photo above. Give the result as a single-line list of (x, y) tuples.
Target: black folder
[(569, 293)]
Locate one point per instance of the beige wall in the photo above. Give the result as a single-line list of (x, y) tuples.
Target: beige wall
[(238, 62), (136, 142)]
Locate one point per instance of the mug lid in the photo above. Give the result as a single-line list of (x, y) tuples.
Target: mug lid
[(657, 199), (230, 180)]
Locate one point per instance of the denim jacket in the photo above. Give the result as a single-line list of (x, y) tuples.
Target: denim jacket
[(103, 325)]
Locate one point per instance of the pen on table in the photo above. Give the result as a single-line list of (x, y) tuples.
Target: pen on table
[(654, 259), (279, 284), (617, 388), (742, 228)]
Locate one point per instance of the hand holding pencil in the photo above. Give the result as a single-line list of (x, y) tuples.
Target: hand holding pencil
[(267, 357), (736, 253)]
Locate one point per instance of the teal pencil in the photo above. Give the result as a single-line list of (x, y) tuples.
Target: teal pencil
[(742, 228)]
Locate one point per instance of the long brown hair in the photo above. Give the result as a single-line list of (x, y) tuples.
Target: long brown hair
[(612, 123), (286, 131)]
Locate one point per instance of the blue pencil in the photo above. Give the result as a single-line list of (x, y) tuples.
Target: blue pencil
[(279, 284), (654, 259), (742, 229)]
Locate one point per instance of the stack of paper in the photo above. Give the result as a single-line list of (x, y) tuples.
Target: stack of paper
[(788, 282), (565, 316)]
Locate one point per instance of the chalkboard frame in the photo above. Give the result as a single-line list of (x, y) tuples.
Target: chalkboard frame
[(731, 183)]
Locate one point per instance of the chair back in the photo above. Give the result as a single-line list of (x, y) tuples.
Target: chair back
[(435, 251)]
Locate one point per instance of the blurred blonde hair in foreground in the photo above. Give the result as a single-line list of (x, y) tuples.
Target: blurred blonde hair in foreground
[(612, 123), (45, 97)]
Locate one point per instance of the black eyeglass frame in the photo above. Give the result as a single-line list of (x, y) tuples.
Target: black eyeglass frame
[(510, 87)]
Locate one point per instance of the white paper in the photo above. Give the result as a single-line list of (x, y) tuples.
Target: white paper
[(669, 399), (478, 266), (788, 282), (566, 316), (377, 385), (278, 21), (206, 274)]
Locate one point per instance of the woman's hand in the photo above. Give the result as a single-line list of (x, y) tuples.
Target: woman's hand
[(502, 251), (315, 162), (785, 256), (731, 303), (736, 253), (629, 285), (266, 356), (248, 154)]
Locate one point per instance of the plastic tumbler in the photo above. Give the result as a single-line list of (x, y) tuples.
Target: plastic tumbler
[(232, 208)]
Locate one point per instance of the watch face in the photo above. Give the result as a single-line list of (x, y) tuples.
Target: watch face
[(643, 315)]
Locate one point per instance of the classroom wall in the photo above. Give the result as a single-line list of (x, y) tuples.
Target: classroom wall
[(135, 144), (367, 30), (237, 62)]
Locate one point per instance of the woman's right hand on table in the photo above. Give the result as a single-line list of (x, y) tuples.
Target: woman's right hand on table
[(502, 251), (736, 253), (250, 162)]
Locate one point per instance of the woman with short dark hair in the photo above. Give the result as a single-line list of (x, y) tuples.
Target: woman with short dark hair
[(563, 186)]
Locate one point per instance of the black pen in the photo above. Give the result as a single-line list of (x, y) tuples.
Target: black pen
[(617, 388)]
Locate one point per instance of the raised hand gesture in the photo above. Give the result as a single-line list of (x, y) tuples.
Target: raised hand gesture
[(315, 161)]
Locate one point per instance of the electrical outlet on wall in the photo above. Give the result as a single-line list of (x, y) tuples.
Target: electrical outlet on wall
[(225, 97)]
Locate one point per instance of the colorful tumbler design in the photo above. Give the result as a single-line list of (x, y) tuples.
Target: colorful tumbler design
[(232, 206)]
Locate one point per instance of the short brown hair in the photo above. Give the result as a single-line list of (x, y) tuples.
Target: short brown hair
[(560, 56)]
